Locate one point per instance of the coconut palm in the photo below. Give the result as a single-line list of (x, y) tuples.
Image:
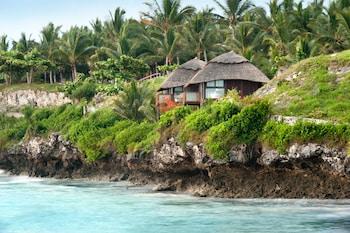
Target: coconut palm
[(74, 47), (166, 14), (135, 101), (49, 45), (4, 43), (200, 33), (234, 10), (24, 44)]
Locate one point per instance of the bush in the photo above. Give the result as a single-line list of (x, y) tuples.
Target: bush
[(62, 117), (243, 128), (132, 135), (174, 116), (219, 141), (207, 117), (12, 130), (89, 132), (85, 91), (41, 114), (279, 135)]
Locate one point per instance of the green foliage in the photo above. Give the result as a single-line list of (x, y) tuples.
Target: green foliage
[(207, 117), (136, 133), (87, 91), (91, 133), (62, 117), (249, 123), (12, 130), (167, 68), (220, 140), (174, 116), (123, 68), (243, 128), (316, 92), (279, 135), (136, 102)]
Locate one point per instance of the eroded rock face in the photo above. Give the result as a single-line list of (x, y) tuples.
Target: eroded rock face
[(171, 157), (337, 159), (21, 98), (304, 171), (52, 157)]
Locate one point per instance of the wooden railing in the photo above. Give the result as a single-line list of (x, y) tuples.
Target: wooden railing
[(152, 76)]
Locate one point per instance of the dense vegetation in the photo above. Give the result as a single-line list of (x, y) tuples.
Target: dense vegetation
[(314, 88), (170, 33), (111, 56), (220, 126)]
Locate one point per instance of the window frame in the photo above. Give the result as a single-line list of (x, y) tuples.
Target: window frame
[(215, 86)]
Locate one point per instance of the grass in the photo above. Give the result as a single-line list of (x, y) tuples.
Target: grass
[(315, 92), (34, 86)]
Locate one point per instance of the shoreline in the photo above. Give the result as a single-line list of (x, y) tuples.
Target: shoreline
[(183, 170)]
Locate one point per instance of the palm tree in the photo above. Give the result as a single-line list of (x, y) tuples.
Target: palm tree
[(74, 47), (166, 14), (4, 43), (234, 10), (134, 102), (200, 34), (49, 45), (24, 44)]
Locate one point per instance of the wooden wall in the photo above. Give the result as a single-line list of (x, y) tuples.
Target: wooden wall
[(242, 86)]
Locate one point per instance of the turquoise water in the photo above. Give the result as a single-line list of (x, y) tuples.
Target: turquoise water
[(43, 206)]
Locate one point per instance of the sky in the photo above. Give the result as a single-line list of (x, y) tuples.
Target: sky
[(30, 16)]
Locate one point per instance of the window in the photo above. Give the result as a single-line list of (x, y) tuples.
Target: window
[(215, 89), (178, 94)]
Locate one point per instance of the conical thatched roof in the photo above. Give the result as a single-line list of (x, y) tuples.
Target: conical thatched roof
[(229, 66), (183, 74)]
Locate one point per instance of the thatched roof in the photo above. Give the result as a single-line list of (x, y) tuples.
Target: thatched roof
[(229, 66), (183, 74)]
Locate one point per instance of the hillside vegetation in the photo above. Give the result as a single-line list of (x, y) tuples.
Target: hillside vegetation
[(318, 87)]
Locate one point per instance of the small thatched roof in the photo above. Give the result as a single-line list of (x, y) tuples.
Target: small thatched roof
[(183, 74), (229, 66)]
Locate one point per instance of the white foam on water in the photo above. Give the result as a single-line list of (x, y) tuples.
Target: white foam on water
[(2, 172)]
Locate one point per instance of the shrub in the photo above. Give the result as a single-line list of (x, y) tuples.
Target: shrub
[(89, 132), (132, 135), (219, 141), (207, 117), (61, 119), (243, 128), (280, 135), (249, 123), (41, 114), (174, 116), (12, 130), (85, 91)]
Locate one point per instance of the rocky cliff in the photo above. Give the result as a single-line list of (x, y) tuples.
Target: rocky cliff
[(305, 171), (13, 100)]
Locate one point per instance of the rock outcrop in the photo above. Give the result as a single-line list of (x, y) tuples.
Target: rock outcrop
[(305, 171), (17, 99)]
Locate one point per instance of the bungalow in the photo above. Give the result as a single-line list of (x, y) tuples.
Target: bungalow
[(195, 81), (226, 72), (171, 93)]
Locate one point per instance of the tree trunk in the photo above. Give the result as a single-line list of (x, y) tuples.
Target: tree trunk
[(8, 79), (28, 78), (199, 55), (61, 77), (31, 75), (54, 77), (205, 55), (167, 60), (45, 77), (74, 72), (51, 80)]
